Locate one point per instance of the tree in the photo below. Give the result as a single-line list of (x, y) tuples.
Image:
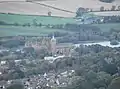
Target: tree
[(110, 68), (115, 84), (80, 11), (16, 24), (113, 8), (11, 43), (41, 53), (16, 86), (35, 22), (102, 8), (3, 23), (79, 82), (119, 8), (17, 73), (103, 80), (49, 13)]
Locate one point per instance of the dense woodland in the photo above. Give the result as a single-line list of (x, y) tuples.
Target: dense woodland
[(96, 67)]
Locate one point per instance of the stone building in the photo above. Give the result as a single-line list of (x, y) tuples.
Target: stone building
[(51, 45)]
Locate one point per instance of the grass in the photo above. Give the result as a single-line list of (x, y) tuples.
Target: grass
[(28, 31), (38, 31), (12, 18)]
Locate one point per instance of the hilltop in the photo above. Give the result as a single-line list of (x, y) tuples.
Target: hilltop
[(36, 9)]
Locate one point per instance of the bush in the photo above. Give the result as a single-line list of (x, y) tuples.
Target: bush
[(16, 24), (114, 42)]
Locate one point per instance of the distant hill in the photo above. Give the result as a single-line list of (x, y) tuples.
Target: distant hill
[(36, 9)]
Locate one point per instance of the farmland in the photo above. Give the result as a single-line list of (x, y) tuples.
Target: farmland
[(40, 31), (14, 18), (28, 31), (45, 20), (36, 9)]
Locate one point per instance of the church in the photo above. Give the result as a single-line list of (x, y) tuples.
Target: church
[(51, 45)]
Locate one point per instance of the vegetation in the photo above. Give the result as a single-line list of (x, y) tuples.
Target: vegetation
[(95, 66), (20, 19), (25, 31), (115, 84), (107, 27), (107, 1), (114, 42), (16, 86)]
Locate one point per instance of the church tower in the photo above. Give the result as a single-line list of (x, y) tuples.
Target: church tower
[(53, 45)]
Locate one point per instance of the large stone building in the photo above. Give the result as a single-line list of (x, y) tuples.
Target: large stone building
[(51, 45)]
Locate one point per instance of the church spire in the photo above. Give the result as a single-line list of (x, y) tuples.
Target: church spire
[(53, 37)]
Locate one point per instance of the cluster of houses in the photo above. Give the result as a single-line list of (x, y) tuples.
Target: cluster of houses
[(39, 81)]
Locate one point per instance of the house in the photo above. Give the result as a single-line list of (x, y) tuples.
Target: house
[(3, 62)]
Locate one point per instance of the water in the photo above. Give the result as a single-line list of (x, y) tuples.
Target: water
[(103, 43)]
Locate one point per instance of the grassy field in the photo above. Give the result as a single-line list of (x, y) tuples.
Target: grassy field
[(37, 31), (28, 31), (13, 18)]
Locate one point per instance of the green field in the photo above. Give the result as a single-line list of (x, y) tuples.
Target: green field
[(38, 31), (21, 19), (28, 31)]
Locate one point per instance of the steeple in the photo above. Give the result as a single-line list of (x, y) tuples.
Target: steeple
[(53, 38), (53, 45)]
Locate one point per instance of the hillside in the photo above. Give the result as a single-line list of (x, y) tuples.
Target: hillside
[(36, 9)]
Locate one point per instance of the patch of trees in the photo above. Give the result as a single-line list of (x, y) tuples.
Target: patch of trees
[(80, 11), (107, 1), (114, 42), (75, 38), (113, 8), (115, 84), (84, 27), (111, 19), (16, 74), (83, 33), (94, 70), (94, 66), (58, 34), (16, 86), (12, 43), (114, 35)]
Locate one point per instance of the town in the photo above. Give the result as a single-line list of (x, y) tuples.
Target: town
[(57, 44)]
